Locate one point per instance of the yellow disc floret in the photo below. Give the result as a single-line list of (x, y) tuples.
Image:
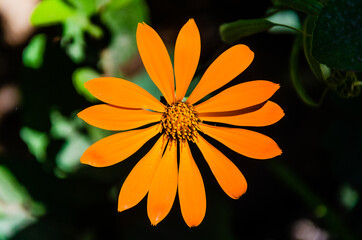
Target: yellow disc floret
[(180, 122)]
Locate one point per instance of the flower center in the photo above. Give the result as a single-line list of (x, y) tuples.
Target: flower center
[(180, 122)]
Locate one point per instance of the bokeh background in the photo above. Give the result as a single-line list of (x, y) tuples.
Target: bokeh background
[(310, 192)]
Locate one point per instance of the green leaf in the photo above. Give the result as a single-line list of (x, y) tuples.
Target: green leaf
[(50, 12), (36, 141), (337, 36), (312, 7), (231, 32), (34, 52), (82, 75), (287, 21)]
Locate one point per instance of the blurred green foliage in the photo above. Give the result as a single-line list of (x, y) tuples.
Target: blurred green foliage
[(33, 54), (349, 197), (82, 75), (117, 18), (75, 21), (17, 209), (51, 12), (75, 143), (36, 141), (122, 18)]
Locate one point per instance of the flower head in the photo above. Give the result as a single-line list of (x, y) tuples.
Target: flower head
[(160, 173)]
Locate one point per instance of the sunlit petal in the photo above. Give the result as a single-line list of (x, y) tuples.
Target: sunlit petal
[(268, 114), (119, 92), (191, 189), (117, 147), (224, 69), (156, 60), (138, 182), (230, 179), (164, 186), (246, 142), (239, 96), (114, 118), (187, 54)]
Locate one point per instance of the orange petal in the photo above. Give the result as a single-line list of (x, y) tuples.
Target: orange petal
[(230, 179), (138, 182), (156, 60), (164, 186), (268, 114), (224, 69), (119, 92), (117, 147), (246, 142), (191, 189), (113, 118), (239, 96), (187, 54)]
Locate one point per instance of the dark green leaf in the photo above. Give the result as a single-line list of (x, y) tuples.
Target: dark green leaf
[(287, 22), (337, 36), (312, 7), (314, 65), (51, 12), (33, 53), (233, 31)]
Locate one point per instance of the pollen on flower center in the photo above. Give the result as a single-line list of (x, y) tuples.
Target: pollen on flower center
[(180, 122)]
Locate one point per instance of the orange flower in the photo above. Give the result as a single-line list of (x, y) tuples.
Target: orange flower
[(180, 123)]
